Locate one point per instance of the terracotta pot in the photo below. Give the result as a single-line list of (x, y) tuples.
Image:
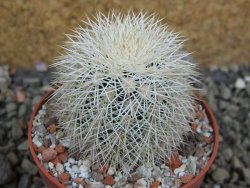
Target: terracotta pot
[(54, 183)]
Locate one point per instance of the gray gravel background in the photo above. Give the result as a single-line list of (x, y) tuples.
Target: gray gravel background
[(227, 90)]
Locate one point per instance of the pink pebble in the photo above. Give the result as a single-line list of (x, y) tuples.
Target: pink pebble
[(48, 154), (20, 95)]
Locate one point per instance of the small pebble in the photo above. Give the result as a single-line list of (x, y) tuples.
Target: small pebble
[(67, 164), (247, 78), (56, 160), (41, 149), (111, 171), (154, 184), (68, 169), (64, 177), (240, 83), (182, 168), (51, 165), (47, 143), (20, 95), (83, 168), (141, 182), (52, 128), (59, 148), (65, 143), (86, 163), (81, 182), (59, 168), (192, 164), (109, 180), (63, 156), (75, 169), (52, 146), (36, 141), (48, 154), (71, 161), (174, 161), (98, 177), (187, 177)]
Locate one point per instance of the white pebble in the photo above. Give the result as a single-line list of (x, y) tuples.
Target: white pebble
[(38, 117), (118, 176), (83, 168), (65, 143), (181, 174), (207, 134), (111, 171), (59, 168), (180, 169), (192, 164), (75, 169), (73, 175), (67, 164), (86, 163), (36, 141), (84, 174), (51, 165), (158, 178), (74, 184), (55, 174), (46, 166), (71, 160), (52, 146), (40, 156), (108, 186), (240, 83), (163, 166), (79, 162), (247, 78), (184, 160), (41, 112), (216, 186), (80, 186), (198, 129), (35, 123), (141, 182), (68, 169)]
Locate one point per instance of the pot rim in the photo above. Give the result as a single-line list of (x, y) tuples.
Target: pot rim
[(191, 183)]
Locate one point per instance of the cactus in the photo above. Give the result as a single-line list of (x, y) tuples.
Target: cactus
[(126, 90)]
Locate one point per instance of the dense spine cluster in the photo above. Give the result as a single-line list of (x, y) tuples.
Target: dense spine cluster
[(126, 90)]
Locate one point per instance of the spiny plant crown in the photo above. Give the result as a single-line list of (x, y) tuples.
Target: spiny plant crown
[(126, 90)]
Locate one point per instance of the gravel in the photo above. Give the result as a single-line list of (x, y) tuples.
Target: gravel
[(24, 181), (23, 146), (220, 175), (228, 95), (28, 167), (5, 171), (227, 90), (17, 169)]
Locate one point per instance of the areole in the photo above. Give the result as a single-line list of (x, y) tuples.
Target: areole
[(194, 183)]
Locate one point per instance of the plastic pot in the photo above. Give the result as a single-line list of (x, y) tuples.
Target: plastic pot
[(52, 182)]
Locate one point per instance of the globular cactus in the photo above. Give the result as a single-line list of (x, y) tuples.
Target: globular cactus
[(126, 90)]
